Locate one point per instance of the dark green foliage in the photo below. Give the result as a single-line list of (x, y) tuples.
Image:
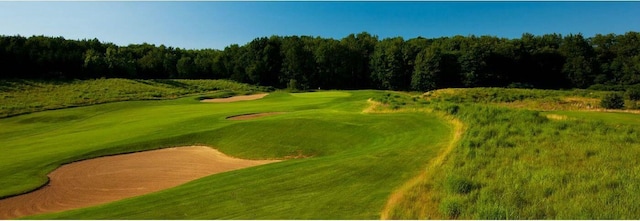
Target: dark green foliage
[(579, 66), (392, 64), (435, 69), (356, 72), (606, 87), (264, 61), (297, 63), (520, 85), (359, 61), (633, 93), (612, 101)]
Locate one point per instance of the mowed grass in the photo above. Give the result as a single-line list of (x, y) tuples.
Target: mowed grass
[(341, 163), (516, 163)]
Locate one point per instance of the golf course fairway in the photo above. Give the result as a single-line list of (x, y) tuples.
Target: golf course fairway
[(338, 162)]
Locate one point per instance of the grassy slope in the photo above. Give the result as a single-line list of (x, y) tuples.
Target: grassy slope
[(358, 159), (519, 164), (26, 96)]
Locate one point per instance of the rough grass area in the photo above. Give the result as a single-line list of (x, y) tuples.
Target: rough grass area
[(26, 96), (515, 163)]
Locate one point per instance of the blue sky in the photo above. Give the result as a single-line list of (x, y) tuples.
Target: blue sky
[(197, 25)]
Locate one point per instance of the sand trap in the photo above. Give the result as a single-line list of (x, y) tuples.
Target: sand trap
[(235, 98), (106, 179), (252, 116)]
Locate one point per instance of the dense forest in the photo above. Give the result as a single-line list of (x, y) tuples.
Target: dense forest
[(357, 61)]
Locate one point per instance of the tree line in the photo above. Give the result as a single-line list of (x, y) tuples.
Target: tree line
[(356, 61)]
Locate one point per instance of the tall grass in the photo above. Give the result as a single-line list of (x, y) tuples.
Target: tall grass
[(519, 164)]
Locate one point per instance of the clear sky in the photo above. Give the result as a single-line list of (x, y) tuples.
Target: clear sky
[(196, 25)]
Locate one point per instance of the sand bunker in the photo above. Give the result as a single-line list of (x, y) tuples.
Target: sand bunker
[(235, 98), (106, 179), (252, 116)]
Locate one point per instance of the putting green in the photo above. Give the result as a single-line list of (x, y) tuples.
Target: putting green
[(342, 163)]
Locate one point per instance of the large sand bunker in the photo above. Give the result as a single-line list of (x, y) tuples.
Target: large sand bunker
[(235, 98), (106, 179)]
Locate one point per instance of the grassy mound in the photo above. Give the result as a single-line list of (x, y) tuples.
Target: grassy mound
[(26, 96)]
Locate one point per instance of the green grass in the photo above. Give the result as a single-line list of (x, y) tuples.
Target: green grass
[(26, 96), (512, 161), (354, 160)]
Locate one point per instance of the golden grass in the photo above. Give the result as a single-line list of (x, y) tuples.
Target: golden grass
[(374, 106)]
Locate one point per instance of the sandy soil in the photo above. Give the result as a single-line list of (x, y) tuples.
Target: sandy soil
[(252, 116), (106, 179), (235, 98)]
